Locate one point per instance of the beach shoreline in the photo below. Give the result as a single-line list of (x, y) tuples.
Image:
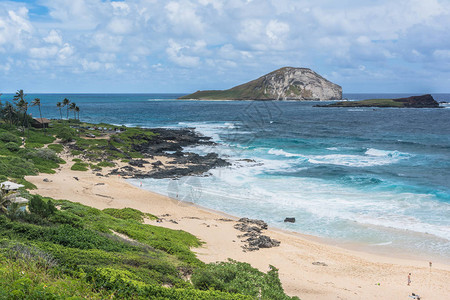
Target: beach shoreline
[(362, 248), (341, 272)]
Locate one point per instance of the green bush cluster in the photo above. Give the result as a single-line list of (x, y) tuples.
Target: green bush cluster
[(66, 134), (79, 166), (11, 146), (41, 208), (58, 148), (238, 277), (8, 137), (106, 164), (129, 214)]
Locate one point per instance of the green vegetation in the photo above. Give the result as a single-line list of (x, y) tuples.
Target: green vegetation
[(59, 249), (129, 214), (79, 166), (253, 90), (424, 101), (106, 164), (368, 103), (79, 251), (58, 148), (237, 277)]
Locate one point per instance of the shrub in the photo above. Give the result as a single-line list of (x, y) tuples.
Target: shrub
[(128, 214), (237, 277), (11, 146), (66, 134), (16, 167), (9, 137), (40, 207), (75, 152), (79, 166), (58, 148), (45, 154), (106, 164)]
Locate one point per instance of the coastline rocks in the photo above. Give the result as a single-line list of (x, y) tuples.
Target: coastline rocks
[(253, 234), (138, 163), (289, 220), (170, 143)]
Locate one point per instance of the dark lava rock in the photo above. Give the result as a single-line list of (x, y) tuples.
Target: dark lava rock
[(138, 163), (253, 232), (424, 101), (259, 223), (170, 143), (289, 220), (157, 164)]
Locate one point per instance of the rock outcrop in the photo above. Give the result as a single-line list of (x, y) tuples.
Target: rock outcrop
[(253, 237), (424, 101), (283, 84)]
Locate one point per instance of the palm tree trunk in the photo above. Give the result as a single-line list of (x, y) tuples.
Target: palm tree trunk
[(40, 114)]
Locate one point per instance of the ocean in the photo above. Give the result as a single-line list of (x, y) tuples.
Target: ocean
[(371, 178)]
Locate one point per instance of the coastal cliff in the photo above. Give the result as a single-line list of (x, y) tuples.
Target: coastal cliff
[(424, 101), (283, 84)]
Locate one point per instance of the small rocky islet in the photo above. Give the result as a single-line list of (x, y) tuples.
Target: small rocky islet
[(423, 101)]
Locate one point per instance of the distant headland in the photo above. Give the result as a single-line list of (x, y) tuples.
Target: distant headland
[(424, 101), (283, 84)]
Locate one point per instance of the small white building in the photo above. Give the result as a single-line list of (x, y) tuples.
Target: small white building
[(10, 186)]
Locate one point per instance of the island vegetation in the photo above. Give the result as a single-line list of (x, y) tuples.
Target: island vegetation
[(57, 249), (287, 83), (425, 101)]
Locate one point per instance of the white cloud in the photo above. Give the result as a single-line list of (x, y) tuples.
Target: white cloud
[(360, 39), (43, 52), (53, 38), (175, 51), (120, 26)]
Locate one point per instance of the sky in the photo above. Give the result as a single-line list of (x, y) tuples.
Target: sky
[(181, 46)]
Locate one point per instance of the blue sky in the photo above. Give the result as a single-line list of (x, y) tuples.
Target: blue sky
[(187, 45)]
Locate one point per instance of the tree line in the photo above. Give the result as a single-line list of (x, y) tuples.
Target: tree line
[(16, 112)]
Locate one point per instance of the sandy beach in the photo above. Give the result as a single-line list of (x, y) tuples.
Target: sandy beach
[(344, 274)]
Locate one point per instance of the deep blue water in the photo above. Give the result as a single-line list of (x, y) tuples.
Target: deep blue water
[(379, 177)]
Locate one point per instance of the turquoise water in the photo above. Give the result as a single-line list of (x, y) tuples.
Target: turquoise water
[(376, 177)]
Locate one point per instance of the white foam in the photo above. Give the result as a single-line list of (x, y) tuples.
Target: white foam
[(281, 152)]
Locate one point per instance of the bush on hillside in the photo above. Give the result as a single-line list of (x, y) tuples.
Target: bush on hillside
[(13, 147), (9, 137), (66, 134), (40, 207)]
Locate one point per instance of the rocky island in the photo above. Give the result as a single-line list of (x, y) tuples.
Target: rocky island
[(424, 101), (283, 84)]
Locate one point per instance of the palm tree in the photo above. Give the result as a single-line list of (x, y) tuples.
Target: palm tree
[(66, 103), (37, 102), (59, 106), (10, 112), (77, 110), (5, 200), (22, 104), (72, 107)]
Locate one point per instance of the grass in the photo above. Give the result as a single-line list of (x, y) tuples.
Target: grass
[(106, 164), (58, 148), (79, 166), (75, 252), (368, 103), (129, 214)]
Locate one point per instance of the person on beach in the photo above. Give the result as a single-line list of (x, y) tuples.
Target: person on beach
[(409, 279)]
